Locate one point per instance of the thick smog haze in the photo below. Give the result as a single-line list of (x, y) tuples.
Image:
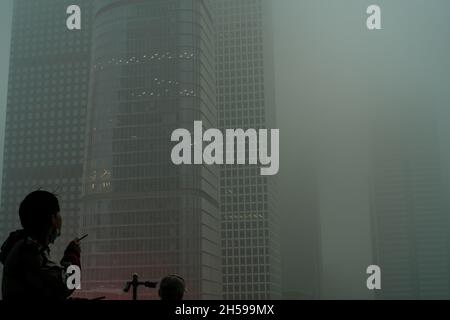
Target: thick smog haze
[(331, 72), (364, 120)]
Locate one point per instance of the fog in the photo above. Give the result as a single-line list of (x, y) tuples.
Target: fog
[(342, 91), (332, 74)]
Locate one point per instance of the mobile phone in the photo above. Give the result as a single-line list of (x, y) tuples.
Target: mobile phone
[(79, 239)]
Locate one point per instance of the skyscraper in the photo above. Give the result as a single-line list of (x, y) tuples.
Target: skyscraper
[(245, 95), (152, 72), (46, 110), (408, 205), (90, 115)]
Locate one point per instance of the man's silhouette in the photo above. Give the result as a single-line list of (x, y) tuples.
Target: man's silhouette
[(172, 288), (29, 273)]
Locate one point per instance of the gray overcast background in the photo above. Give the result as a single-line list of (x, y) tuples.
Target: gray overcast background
[(329, 70)]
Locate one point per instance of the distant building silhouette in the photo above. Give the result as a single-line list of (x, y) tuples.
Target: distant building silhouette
[(409, 212)]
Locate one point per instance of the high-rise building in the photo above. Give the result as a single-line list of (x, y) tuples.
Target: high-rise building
[(245, 96), (408, 204), (152, 72), (46, 111), (90, 114)]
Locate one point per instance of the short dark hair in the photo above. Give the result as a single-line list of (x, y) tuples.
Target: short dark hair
[(172, 288), (36, 211)]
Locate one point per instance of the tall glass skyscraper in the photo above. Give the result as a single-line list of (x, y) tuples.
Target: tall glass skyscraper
[(90, 115), (46, 110), (245, 95), (152, 72)]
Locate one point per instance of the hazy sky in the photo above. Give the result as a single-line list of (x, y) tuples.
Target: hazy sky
[(329, 70)]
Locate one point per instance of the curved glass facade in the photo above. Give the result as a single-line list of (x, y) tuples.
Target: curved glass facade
[(152, 72)]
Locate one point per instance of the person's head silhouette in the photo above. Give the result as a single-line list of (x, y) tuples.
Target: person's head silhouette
[(172, 288), (28, 270), (39, 216)]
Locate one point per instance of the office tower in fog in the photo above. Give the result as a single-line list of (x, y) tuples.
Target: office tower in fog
[(245, 95), (409, 215), (46, 111), (152, 72)]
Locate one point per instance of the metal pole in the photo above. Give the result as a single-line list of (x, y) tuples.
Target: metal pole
[(135, 286)]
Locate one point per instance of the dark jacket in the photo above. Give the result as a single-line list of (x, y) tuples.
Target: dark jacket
[(28, 272)]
